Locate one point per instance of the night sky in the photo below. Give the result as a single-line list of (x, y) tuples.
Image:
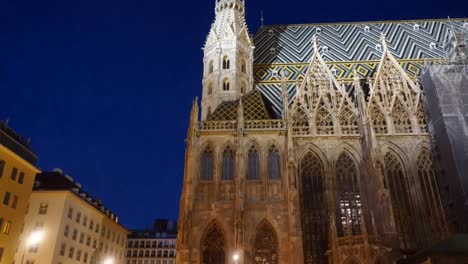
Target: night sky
[(104, 87)]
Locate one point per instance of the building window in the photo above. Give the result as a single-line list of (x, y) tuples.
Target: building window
[(63, 248), (97, 228), (210, 88), (85, 257), (91, 225), (210, 67), (15, 202), (71, 252), (207, 165), (78, 255), (349, 197), (213, 251), (85, 220), (274, 164), (2, 167), (314, 210), (21, 178), (226, 85), (226, 63), (43, 208), (78, 217), (1, 253), (66, 231), (228, 164), (266, 245), (6, 227), (75, 234), (14, 172), (94, 243), (6, 198), (88, 241), (29, 261), (70, 213), (81, 238), (253, 164)]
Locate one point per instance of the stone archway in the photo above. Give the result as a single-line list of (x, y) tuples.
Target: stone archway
[(265, 245), (213, 246)]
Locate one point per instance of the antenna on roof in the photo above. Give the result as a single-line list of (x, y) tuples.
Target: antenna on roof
[(261, 18)]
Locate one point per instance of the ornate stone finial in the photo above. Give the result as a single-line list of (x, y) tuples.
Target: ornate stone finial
[(315, 43), (384, 41), (230, 4)]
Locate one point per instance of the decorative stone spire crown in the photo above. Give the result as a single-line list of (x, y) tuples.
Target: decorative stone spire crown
[(228, 57)]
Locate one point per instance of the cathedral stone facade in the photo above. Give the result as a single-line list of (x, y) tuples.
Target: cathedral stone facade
[(313, 145)]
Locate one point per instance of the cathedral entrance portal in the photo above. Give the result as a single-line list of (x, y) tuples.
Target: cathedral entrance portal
[(213, 247)]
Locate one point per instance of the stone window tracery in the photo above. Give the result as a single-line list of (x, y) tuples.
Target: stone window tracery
[(378, 120), (348, 122), (348, 196), (421, 116), (213, 251), (313, 210), (429, 189), (266, 245), (228, 164), (401, 120), (274, 164), (207, 165), (401, 200), (253, 164), (324, 121), (300, 121)]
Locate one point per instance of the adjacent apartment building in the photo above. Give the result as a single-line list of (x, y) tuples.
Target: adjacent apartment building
[(77, 228), (17, 172), (155, 245)]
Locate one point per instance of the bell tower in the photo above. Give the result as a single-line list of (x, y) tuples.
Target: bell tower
[(228, 57)]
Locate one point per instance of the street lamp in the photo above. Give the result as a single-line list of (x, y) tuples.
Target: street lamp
[(235, 257), (33, 240)]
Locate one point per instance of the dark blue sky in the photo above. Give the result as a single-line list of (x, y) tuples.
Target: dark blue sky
[(104, 87)]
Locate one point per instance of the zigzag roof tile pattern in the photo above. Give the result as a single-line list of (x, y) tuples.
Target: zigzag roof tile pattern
[(345, 47)]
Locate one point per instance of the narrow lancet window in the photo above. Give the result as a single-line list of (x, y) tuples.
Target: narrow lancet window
[(228, 164), (274, 164), (253, 164)]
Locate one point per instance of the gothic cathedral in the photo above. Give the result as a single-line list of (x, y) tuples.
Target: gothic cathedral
[(311, 145)]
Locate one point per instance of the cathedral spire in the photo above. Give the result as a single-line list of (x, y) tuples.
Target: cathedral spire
[(228, 57)]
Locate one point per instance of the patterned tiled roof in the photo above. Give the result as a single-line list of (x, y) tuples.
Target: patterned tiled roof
[(253, 104), (345, 47)]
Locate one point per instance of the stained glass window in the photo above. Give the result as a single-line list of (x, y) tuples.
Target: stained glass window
[(274, 164), (266, 245), (213, 247), (228, 164), (253, 164), (207, 165)]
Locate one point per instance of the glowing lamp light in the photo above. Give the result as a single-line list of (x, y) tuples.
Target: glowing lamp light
[(35, 238), (108, 261), (235, 257)]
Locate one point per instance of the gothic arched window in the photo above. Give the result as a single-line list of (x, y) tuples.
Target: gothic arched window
[(253, 164), (210, 88), (401, 120), (210, 67), (432, 210), (348, 122), (207, 164), (228, 164), (313, 210), (401, 201), (213, 251), (226, 85), (266, 245), (349, 196), (226, 63), (324, 121), (274, 164)]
